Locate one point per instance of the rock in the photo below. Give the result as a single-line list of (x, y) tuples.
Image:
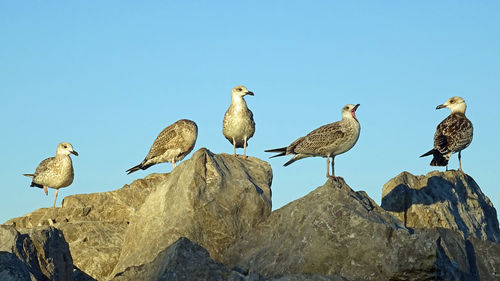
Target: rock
[(13, 269), (486, 256), (309, 277), (442, 199), (336, 231), (184, 260), (40, 253), (210, 199), (94, 224)]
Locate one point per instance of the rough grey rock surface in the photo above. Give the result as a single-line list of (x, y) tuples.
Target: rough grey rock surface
[(210, 199), (94, 224), (336, 231), (442, 199), (40, 253), (486, 256), (183, 260)]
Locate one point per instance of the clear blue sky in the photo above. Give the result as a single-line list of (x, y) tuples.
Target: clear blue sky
[(108, 76)]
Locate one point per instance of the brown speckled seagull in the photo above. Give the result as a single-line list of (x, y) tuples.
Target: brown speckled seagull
[(171, 145), (452, 135), (238, 125), (326, 141), (55, 172)]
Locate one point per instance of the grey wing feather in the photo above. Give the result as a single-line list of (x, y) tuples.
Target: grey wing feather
[(162, 142), (44, 166), (319, 138)]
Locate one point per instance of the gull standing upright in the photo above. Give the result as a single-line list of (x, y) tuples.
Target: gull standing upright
[(55, 172), (326, 141), (452, 135), (238, 125), (171, 145)]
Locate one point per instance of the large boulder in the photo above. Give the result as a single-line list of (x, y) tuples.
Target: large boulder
[(442, 199), (210, 199), (336, 231), (183, 260), (40, 253), (94, 224)]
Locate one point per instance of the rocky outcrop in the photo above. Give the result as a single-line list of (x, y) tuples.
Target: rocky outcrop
[(184, 260), (334, 230), (442, 199), (94, 224), (40, 253), (210, 199), (210, 219)]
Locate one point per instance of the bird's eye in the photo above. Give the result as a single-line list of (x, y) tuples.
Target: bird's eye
[(452, 101), (239, 89), (346, 108), (65, 146)]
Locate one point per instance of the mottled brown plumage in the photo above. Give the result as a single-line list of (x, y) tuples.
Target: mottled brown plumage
[(452, 135), (171, 145), (326, 141), (55, 172)]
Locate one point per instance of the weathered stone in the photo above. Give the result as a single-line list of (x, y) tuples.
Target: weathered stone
[(486, 256), (336, 231), (183, 260), (94, 224), (13, 269), (310, 277), (442, 199), (210, 199), (53, 252), (39, 254)]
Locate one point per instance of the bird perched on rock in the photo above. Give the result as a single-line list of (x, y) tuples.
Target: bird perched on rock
[(326, 141), (55, 172), (238, 125), (171, 145), (452, 135)]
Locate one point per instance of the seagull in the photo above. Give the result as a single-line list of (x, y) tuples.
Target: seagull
[(452, 135), (55, 172), (238, 125), (171, 145), (326, 141)]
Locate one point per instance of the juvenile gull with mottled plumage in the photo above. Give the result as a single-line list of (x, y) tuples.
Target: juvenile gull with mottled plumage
[(326, 141), (238, 125), (171, 145), (452, 135), (55, 172)]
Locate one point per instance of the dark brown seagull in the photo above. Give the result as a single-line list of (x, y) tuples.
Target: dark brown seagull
[(452, 135), (326, 141)]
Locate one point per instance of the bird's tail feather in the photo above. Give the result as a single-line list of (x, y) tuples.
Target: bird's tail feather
[(295, 158), (438, 159), (432, 151), (29, 175), (135, 168), (281, 151), (141, 166)]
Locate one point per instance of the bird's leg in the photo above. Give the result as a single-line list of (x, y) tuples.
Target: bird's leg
[(234, 145), (55, 198), (460, 162), (45, 189), (327, 166), (333, 168), (245, 148)]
